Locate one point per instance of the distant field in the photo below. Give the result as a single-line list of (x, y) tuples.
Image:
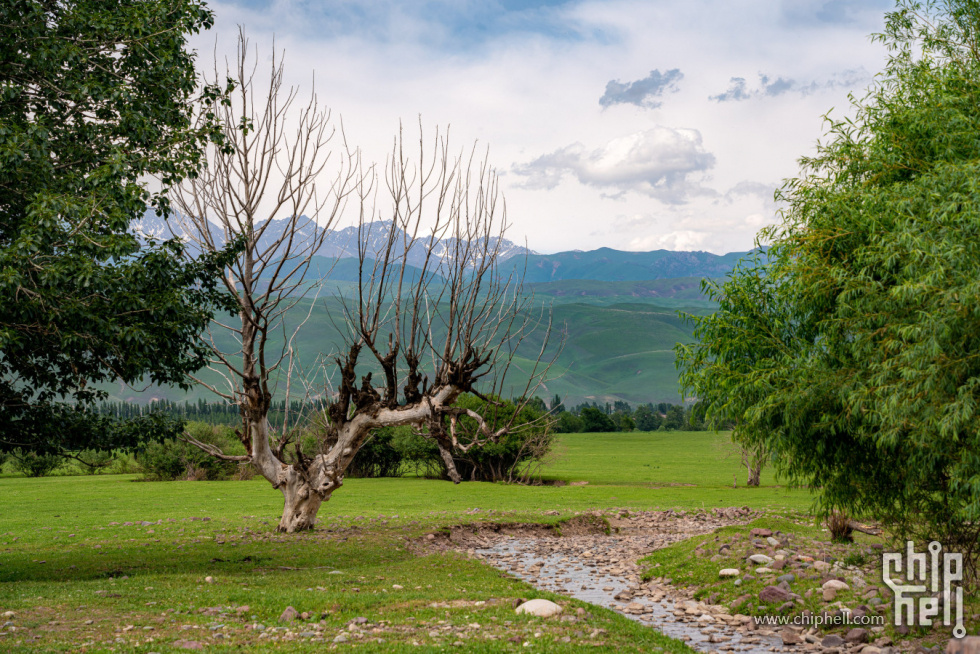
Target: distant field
[(63, 561)]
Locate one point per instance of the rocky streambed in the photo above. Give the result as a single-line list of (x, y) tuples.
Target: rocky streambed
[(594, 559)]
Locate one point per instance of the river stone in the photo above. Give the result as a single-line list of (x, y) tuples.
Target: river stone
[(759, 531), (836, 584), (788, 578), (772, 541), (773, 594), (540, 607), (857, 635), (761, 559), (728, 572), (289, 614), (188, 644), (821, 566), (968, 645), (833, 640), (790, 637), (829, 594)]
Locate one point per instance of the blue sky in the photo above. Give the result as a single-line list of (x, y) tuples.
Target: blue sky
[(628, 124)]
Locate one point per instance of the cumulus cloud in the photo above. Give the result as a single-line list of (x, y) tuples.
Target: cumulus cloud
[(658, 162), (643, 92), (739, 89)]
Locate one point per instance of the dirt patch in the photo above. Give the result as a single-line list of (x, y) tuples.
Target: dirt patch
[(483, 534)]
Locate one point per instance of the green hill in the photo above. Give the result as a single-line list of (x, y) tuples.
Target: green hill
[(606, 264), (615, 351)]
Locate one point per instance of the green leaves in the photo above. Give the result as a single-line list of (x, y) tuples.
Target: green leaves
[(94, 99), (853, 354)]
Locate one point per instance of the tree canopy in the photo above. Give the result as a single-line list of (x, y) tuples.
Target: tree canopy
[(95, 98), (852, 351)]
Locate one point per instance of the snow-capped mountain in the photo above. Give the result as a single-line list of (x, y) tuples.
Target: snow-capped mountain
[(340, 243)]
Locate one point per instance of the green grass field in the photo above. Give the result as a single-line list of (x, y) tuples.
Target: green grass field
[(69, 556)]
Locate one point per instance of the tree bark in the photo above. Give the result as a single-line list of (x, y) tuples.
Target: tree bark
[(300, 506)]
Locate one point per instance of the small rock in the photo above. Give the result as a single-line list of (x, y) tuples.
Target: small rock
[(967, 645), (833, 640), (856, 635), (829, 594), (341, 638), (289, 614), (836, 585), (209, 580), (762, 533), (9, 614), (397, 587), (772, 541), (821, 566), (728, 572), (761, 559), (790, 637), (188, 644), (540, 607), (788, 578), (773, 594)]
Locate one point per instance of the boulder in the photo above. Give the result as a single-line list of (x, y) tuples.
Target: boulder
[(540, 607)]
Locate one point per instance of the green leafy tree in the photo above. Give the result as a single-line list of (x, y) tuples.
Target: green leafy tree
[(851, 354), (94, 99), (647, 418), (595, 420)]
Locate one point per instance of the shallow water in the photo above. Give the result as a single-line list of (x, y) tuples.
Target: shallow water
[(582, 579)]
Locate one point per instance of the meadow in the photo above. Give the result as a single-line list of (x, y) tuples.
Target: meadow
[(107, 563)]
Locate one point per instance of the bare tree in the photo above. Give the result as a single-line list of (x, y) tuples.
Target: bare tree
[(451, 324), (431, 331), (268, 185)]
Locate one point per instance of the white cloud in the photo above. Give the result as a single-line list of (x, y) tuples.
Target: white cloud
[(661, 162)]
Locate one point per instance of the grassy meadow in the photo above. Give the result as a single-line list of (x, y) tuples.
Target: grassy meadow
[(106, 563)]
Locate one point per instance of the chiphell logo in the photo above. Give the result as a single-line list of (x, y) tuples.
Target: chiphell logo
[(922, 581)]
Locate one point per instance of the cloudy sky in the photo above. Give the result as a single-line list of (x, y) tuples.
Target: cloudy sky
[(631, 124)]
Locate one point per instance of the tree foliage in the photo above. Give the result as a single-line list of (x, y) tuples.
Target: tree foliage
[(94, 98), (852, 352)]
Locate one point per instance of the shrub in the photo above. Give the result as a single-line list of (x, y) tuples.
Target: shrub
[(515, 457), (94, 461), (378, 457), (32, 464), (170, 460), (839, 525)]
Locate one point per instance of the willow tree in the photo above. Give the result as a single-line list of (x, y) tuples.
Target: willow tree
[(853, 353), (431, 318)]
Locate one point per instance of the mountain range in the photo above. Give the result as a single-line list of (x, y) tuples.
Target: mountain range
[(619, 311), (337, 243)]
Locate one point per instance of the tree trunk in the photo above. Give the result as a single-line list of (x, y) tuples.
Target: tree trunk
[(755, 472), (300, 505)]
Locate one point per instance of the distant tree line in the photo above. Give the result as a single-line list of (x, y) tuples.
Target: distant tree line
[(584, 418), (212, 413), (620, 416)]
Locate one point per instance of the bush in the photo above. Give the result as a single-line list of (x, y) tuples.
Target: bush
[(94, 461), (516, 456), (170, 460), (377, 457), (569, 423), (32, 464)]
